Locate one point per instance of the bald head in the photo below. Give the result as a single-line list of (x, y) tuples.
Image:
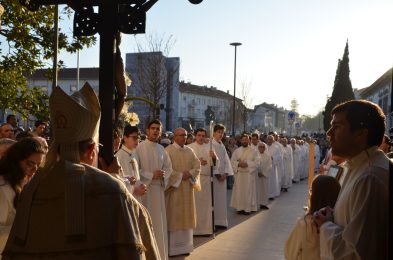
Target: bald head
[(180, 136), (6, 131)]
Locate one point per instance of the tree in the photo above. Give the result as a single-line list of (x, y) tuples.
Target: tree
[(342, 89), (152, 74), (294, 105), (245, 88), (27, 46)]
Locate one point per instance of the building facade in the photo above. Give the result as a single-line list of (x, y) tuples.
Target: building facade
[(199, 104), (156, 79), (67, 79), (380, 92)]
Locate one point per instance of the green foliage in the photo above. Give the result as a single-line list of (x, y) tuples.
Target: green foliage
[(342, 89), (26, 44)]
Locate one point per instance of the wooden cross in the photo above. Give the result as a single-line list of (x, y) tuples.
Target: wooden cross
[(114, 16)]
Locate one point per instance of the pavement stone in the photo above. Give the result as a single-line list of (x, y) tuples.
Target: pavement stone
[(259, 236)]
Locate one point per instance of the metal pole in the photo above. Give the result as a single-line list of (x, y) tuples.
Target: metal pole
[(234, 89), (77, 70), (234, 97), (55, 46), (107, 10)]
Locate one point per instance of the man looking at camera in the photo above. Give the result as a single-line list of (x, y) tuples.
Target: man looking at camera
[(156, 169)]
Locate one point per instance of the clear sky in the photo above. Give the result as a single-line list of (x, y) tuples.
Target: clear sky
[(290, 48)]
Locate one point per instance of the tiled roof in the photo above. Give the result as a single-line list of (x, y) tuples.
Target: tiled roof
[(204, 91), (266, 105)]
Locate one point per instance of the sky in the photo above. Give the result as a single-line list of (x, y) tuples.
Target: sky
[(289, 50)]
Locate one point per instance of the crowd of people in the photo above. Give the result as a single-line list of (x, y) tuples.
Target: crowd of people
[(161, 191)]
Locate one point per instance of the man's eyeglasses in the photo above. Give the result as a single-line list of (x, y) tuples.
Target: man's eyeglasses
[(135, 137)]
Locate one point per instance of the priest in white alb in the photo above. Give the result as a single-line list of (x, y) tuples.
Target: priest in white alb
[(203, 199), (245, 163), (179, 195), (156, 169), (224, 169), (287, 174), (264, 172), (297, 153), (274, 183)]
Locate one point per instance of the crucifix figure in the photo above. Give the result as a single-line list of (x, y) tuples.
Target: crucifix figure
[(113, 18)]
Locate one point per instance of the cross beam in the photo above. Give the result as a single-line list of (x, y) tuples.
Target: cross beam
[(35, 4), (114, 16)]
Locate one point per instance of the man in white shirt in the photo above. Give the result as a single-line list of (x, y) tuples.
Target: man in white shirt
[(358, 226)]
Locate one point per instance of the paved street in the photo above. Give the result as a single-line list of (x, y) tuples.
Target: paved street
[(259, 236)]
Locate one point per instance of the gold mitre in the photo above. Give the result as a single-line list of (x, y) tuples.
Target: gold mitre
[(74, 118)]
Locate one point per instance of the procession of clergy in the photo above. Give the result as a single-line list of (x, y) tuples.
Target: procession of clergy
[(176, 181), (159, 197)]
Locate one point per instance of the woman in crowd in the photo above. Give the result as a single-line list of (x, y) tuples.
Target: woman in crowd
[(17, 167), (303, 242)]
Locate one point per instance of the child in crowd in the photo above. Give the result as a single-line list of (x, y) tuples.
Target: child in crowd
[(303, 242)]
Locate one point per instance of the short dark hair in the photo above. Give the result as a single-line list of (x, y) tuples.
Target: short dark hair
[(363, 114), (218, 127), (22, 135), (154, 121), (9, 117), (131, 129), (255, 135), (245, 135), (199, 130), (39, 122)]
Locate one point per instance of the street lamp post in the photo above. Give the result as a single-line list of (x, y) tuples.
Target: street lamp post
[(234, 89)]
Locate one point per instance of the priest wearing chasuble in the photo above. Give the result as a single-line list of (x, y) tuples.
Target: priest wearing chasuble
[(179, 195)]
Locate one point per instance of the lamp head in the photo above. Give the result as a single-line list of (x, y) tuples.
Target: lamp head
[(235, 44), (195, 2)]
